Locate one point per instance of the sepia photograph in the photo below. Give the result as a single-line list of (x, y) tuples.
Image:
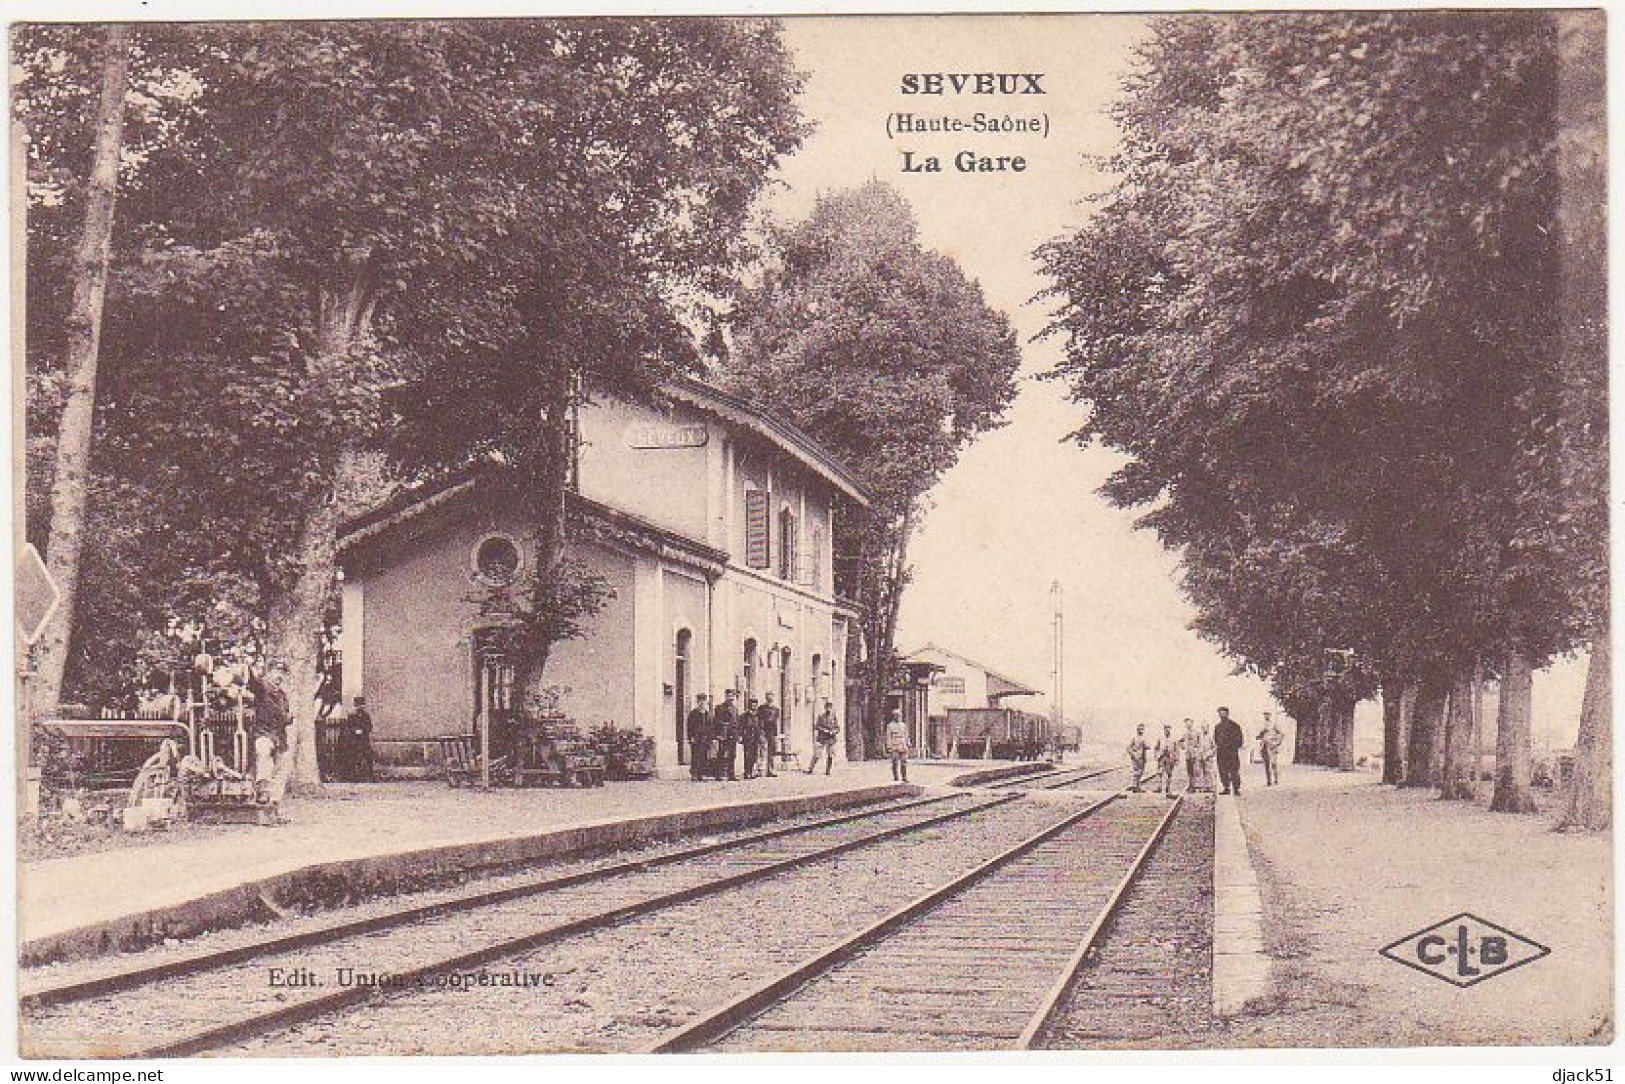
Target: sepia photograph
[(810, 534)]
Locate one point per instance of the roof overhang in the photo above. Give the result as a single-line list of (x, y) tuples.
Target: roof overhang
[(741, 412)]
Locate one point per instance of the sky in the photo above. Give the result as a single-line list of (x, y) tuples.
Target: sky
[(1021, 509)]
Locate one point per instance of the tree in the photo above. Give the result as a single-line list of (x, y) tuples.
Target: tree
[(888, 355), (630, 230), (1322, 300), (70, 484), (1582, 444)]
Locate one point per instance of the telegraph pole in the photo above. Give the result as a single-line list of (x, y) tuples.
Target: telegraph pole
[(1058, 705)]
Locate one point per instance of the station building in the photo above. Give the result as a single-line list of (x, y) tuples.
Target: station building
[(710, 519)]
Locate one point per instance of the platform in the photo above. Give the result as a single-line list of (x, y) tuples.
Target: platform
[(359, 839)]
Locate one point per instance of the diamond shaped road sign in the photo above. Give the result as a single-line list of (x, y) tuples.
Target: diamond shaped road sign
[(38, 596), (1464, 950)]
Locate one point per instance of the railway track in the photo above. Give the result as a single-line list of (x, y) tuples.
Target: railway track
[(982, 961), (201, 1001), (1058, 779)]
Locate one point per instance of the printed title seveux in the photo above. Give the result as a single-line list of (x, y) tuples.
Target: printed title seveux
[(943, 84)]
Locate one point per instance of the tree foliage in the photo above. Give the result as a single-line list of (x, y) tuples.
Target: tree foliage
[(1319, 312)]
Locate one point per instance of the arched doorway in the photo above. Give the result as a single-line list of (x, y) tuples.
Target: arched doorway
[(679, 687)]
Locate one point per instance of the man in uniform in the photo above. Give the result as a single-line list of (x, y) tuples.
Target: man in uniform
[(825, 731), (750, 736), (1228, 739), (358, 743), (768, 717), (1270, 740), (897, 746), (1167, 760), (1137, 750), (724, 736), (699, 737)]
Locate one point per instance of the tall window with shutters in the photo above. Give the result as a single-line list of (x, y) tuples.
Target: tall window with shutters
[(758, 553), (787, 546), (815, 560)]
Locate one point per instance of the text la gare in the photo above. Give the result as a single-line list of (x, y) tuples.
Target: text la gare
[(965, 162)]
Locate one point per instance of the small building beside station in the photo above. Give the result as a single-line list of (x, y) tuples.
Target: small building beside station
[(711, 521), (967, 704)]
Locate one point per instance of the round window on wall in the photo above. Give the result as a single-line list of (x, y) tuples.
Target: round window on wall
[(496, 560)]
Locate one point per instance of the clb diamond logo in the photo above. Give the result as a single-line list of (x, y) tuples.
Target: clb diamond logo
[(1465, 949)]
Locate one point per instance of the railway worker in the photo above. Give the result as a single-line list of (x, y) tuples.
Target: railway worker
[(1270, 740), (1209, 750), (357, 748), (767, 717), (1195, 762), (724, 736), (1138, 748), (1229, 739), (825, 730), (750, 736), (897, 746), (1167, 752), (699, 738)]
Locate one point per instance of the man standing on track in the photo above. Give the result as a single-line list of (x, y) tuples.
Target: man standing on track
[(1191, 742), (1269, 750), (1138, 748), (1167, 760), (1229, 739), (699, 738)]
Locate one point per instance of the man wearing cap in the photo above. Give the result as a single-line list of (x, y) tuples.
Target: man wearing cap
[(358, 743), (1167, 760), (724, 737), (1269, 750), (897, 746), (699, 738), (1228, 739), (1138, 748), (767, 717), (825, 731)]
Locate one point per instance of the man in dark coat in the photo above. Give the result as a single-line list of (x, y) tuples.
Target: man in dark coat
[(750, 737), (724, 736), (699, 738), (1228, 740), (767, 717), (358, 743)]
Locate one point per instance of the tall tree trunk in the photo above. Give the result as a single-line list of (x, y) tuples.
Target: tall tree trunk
[(1457, 780), (1340, 753), (293, 637), (1427, 720), (295, 616), (1305, 723), (548, 480), (883, 621), (1588, 796), (1397, 705), (70, 482), (1513, 755)]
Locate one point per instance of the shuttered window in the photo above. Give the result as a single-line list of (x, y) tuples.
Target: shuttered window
[(758, 552)]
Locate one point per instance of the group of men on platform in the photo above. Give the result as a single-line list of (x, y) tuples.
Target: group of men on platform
[(1202, 750), (719, 738)]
